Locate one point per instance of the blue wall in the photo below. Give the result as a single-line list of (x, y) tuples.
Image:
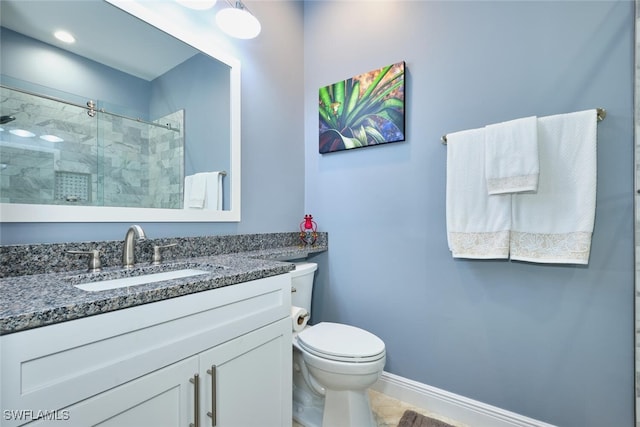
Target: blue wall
[(554, 343), (199, 86), (72, 77)]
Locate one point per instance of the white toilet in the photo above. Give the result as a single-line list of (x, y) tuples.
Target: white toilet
[(333, 366)]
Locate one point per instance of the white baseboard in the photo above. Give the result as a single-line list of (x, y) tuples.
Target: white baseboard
[(451, 405)]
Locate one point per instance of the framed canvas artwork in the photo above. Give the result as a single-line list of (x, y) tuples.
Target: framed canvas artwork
[(364, 110)]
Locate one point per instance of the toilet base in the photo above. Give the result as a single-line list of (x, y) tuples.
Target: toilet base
[(337, 409), (307, 408), (347, 408), (307, 405)]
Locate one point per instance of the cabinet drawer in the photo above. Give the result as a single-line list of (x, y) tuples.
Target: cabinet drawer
[(163, 398), (54, 366)]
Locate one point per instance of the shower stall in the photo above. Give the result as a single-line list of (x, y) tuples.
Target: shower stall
[(53, 151)]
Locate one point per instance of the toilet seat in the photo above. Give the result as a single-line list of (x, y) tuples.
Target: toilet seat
[(343, 343)]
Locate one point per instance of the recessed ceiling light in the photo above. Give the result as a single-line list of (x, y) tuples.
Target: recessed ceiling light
[(23, 133), (51, 138), (64, 36)]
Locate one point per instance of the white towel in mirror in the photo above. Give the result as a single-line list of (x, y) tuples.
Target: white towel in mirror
[(198, 191), (203, 191)]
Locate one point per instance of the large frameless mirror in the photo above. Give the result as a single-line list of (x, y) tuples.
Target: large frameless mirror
[(137, 120)]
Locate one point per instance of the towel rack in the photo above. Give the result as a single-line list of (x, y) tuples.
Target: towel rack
[(600, 112)]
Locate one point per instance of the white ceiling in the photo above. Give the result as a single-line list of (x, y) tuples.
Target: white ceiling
[(103, 33)]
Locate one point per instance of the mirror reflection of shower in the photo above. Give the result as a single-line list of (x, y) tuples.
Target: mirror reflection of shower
[(58, 152)]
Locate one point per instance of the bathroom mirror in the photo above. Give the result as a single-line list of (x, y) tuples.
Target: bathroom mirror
[(135, 38)]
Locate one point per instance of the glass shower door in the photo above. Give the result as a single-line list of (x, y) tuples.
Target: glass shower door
[(48, 152)]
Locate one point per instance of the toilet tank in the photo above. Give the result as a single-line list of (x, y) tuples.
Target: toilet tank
[(302, 282)]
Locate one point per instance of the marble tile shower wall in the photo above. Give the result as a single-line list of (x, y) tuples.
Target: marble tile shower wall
[(29, 163), (102, 160), (166, 164), (37, 185), (142, 164)]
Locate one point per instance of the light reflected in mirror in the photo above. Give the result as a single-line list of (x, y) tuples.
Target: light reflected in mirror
[(137, 77)]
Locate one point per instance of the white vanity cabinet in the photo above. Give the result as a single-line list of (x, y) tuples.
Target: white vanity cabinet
[(161, 399), (138, 366), (243, 380)]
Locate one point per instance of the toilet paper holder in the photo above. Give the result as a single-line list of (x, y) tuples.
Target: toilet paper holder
[(300, 319)]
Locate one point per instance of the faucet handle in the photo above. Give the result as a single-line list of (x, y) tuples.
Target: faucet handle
[(94, 259), (157, 254)]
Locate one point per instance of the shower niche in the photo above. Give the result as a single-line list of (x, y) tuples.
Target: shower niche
[(57, 151)]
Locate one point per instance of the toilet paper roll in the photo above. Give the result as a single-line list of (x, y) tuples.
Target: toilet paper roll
[(299, 318)]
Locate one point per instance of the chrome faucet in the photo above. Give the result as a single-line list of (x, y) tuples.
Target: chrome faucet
[(128, 250)]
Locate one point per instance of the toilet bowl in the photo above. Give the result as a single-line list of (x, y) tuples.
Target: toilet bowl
[(334, 365)]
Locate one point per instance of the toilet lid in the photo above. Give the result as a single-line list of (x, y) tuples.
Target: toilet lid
[(341, 342)]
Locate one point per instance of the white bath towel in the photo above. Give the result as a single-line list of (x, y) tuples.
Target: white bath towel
[(555, 224), (511, 156), (477, 224), (203, 191), (214, 194), (198, 191)]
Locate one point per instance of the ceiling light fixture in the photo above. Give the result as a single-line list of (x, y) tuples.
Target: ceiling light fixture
[(238, 22), (64, 36), (23, 133), (197, 4), (51, 138)]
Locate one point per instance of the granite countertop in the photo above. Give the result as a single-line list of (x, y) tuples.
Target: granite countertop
[(44, 299)]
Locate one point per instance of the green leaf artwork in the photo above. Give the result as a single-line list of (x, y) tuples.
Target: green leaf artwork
[(365, 110)]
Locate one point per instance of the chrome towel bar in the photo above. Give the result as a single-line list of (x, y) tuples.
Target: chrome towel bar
[(601, 112)]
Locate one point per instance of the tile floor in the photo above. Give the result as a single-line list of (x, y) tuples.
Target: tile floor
[(388, 411)]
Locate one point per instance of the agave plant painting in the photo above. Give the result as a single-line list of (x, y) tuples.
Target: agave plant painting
[(365, 110)]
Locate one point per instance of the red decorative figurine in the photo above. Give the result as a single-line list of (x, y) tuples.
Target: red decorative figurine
[(308, 231)]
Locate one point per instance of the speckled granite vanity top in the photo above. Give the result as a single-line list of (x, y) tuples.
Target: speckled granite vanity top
[(30, 301)]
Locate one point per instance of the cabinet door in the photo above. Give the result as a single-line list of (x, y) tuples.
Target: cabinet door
[(163, 398), (247, 381)]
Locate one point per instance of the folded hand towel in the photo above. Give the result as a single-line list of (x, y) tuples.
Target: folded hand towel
[(214, 190), (477, 224), (511, 156), (555, 224), (186, 191), (203, 191), (198, 193)]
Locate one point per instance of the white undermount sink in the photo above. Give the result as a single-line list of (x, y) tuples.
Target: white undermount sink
[(103, 285)]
